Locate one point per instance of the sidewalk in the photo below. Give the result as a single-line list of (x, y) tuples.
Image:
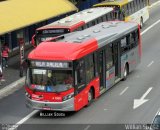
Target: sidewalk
[(11, 74)]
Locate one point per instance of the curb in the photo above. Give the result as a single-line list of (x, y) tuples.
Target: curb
[(154, 4), (11, 88)]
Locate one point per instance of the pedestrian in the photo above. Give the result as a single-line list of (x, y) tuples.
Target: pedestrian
[(1, 75), (5, 55)]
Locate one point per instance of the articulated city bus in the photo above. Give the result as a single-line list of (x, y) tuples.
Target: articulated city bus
[(128, 10), (68, 74), (76, 22)]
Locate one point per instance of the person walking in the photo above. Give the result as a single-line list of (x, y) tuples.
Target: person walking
[(5, 55)]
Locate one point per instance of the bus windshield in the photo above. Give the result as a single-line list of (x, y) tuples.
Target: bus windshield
[(50, 80)]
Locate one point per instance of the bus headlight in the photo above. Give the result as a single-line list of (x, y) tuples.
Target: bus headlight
[(68, 96), (27, 95)]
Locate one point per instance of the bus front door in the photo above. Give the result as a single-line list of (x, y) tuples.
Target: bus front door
[(117, 60), (101, 69)]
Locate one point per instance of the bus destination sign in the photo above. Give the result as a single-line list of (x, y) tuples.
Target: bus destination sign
[(53, 31), (49, 64)]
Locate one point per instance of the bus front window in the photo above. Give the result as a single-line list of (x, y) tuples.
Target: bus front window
[(51, 80)]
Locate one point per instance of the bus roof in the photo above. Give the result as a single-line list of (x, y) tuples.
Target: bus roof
[(77, 18), (78, 44), (113, 2)]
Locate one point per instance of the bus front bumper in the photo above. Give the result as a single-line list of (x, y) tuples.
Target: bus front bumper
[(67, 105)]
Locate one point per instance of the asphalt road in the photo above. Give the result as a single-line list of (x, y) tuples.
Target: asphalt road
[(113, 107)]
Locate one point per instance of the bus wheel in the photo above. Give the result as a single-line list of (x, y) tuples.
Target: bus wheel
[(90, 97), (125, 74), (141, 23)]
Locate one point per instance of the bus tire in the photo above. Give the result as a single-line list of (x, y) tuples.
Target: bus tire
[(90, 97), (125, 74), (141, 23)]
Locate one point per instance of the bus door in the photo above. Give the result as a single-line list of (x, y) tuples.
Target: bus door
[(110, 67), (117, 60), (101, 68)]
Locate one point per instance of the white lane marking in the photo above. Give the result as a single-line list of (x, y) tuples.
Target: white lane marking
[(146, 93), (142, 100), (23, 120), (11, 88), (123, 91), (154, 4), (154, 24), (105, 109), (150, 63), (88, 126)]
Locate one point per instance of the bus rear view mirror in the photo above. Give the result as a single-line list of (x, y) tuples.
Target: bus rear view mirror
[(32, 42)]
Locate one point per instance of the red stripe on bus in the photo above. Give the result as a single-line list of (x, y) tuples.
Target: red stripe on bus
[(76, 26), (81, 99)]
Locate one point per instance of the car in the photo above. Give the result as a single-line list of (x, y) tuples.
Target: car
[(156, 122)]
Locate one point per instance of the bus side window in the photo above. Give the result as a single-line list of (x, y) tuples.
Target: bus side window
[(87, 25), (90, 24), (93, 23), (83, 27), (80, 74), (109, 56), (107, 15), (89, 69), (123, 11), (136, 37), (126, 10), (104, 18), (97, 20), (132, 40), (124, 46), (110, 16)]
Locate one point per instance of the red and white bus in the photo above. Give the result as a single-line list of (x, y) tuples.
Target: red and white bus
[(68, 74), (76, 22)]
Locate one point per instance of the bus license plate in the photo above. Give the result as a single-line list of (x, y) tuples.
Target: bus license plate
[(46, 108)]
